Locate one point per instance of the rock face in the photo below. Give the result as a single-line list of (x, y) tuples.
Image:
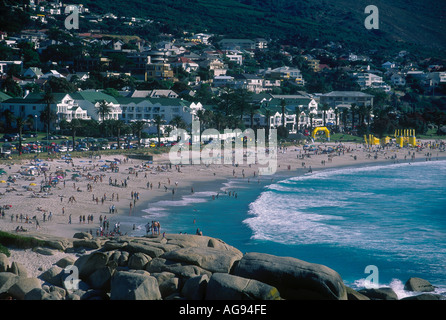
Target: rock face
[(223, 286), (134, 286), (175, 267), (294, 278), (379, 294), (418, 284)]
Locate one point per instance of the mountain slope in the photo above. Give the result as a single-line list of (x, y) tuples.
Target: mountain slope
[(402, 22)]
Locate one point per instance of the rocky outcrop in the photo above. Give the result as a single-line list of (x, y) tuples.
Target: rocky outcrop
[(127, 285), (379, 293), (418, 284), (294, 278), (173, 267)]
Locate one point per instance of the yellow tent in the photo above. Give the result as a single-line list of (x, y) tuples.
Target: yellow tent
[(33, 184)]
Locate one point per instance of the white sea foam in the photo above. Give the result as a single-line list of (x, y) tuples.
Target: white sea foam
[(283, 219)]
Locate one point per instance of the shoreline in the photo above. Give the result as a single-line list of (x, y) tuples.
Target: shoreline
[(200, 177), (165, 179)]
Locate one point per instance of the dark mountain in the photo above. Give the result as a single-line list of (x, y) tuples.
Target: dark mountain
[(403, 23)]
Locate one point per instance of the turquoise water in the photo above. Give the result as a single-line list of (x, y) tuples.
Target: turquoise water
[(392, 217)]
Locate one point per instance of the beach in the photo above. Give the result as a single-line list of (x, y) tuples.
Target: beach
[(113, 186), (118, 188)]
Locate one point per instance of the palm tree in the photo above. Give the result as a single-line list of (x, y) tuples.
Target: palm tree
[(178, 122), (138, 127), (268, 121), (20, 122), (119, 125), (283, 105), (158, 120), (9, 118), (253, 110), (311, 115), (47, 115), (324, 108), (353, 110), (103, 109), (336, 111), (73, 126), (297, 112), (344, 118)]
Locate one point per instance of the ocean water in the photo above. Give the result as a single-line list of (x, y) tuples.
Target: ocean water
[(392, 217)]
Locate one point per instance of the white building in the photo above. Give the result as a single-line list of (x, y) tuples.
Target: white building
[(146, 109), (91, 100), (31, 107)]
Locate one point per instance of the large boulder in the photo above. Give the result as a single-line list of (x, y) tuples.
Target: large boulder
[(138, 261), (181, 270), (134, 247), (418, 284), (23, 286), (208, 258), (4, 262), (195, 288), (89, 263), (425, 296), (134, 286), (18, 269), (294, 278), (385, 293), (65, 262), (355, 295), (53, 276), (87, 243), (167, 282), (100, 279), (7, 280), (223, 286), (82, 235)]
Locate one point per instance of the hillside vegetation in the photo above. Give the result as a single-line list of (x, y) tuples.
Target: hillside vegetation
[(403, 23)]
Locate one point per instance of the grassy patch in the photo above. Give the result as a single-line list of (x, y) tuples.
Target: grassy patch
[(14, 240)]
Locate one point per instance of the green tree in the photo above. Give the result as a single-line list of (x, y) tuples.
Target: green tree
[(48, 116), (8, 115), (103, 110), (20, 123), (138, 127), (158, 121), (11, 87)]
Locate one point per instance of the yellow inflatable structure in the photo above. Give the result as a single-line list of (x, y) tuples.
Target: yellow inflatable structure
[(405, 137), (317, 129), (373, 141)]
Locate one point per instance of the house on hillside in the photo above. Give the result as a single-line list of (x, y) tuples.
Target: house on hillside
[(64, 106), (185, 63), (146, 109), (237, 44), (336, 98), (33, 72), (91, 100), (285, 73)]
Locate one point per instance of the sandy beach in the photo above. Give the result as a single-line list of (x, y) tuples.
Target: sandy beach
[(93, 187)]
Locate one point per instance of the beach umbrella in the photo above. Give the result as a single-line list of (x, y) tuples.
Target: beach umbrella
[(33, 184), (2, 181)]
